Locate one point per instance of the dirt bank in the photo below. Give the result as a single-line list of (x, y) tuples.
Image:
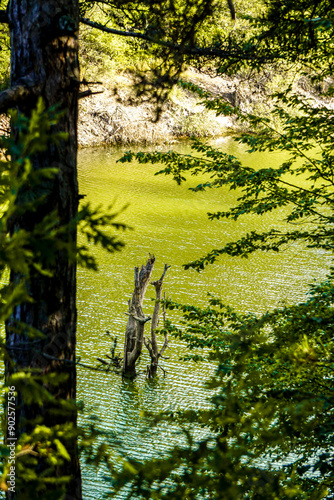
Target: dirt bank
[(119, 118), (110, 118)]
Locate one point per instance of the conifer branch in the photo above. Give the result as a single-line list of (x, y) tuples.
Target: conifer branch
[(184, 49)]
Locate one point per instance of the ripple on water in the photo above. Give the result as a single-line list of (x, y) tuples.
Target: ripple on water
[(171, 223)]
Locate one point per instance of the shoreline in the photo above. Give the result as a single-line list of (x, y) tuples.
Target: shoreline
[(116, 116)]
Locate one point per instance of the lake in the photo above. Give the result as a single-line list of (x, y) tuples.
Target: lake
[(170, 222)]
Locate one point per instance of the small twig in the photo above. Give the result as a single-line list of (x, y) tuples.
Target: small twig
[(162, 370), (102, 361), (84, 82), (89, 92), (159, 282), (140, 320), (69, 361)]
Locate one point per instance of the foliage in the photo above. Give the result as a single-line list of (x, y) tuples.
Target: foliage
[(27, 253), (271, 423), (270, 429), (301, 31), (274, 380), (101, 58), (303, 184), (171, 36)]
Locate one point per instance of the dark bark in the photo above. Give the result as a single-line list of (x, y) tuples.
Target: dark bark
[(3, 17), (232, 9), (17, 96), (44, 56)]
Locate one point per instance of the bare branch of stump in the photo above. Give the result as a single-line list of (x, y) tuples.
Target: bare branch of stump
[(154, 352), (141, 320), (115, 361), (164, 347), (147, 344), (164, 371), (102, 361)]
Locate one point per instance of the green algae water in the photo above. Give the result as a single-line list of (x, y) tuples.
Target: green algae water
[(170, 222)]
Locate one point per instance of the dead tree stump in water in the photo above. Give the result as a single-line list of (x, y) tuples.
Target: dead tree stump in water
[(134, 333)]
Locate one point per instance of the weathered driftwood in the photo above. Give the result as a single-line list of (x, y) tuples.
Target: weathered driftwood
[(152, 344), (134, 334)]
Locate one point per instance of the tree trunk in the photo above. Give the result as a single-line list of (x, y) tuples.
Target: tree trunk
[(134, 334), (44, 60)]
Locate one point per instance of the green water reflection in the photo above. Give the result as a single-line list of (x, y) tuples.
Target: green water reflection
[(170, 222)]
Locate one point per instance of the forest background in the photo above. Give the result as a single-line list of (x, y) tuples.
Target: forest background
[(274, 378)]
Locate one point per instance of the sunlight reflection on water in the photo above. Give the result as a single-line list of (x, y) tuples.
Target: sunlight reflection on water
[(170, 222)]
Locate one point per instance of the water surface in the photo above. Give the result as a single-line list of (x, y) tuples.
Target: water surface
[(170, 222)]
